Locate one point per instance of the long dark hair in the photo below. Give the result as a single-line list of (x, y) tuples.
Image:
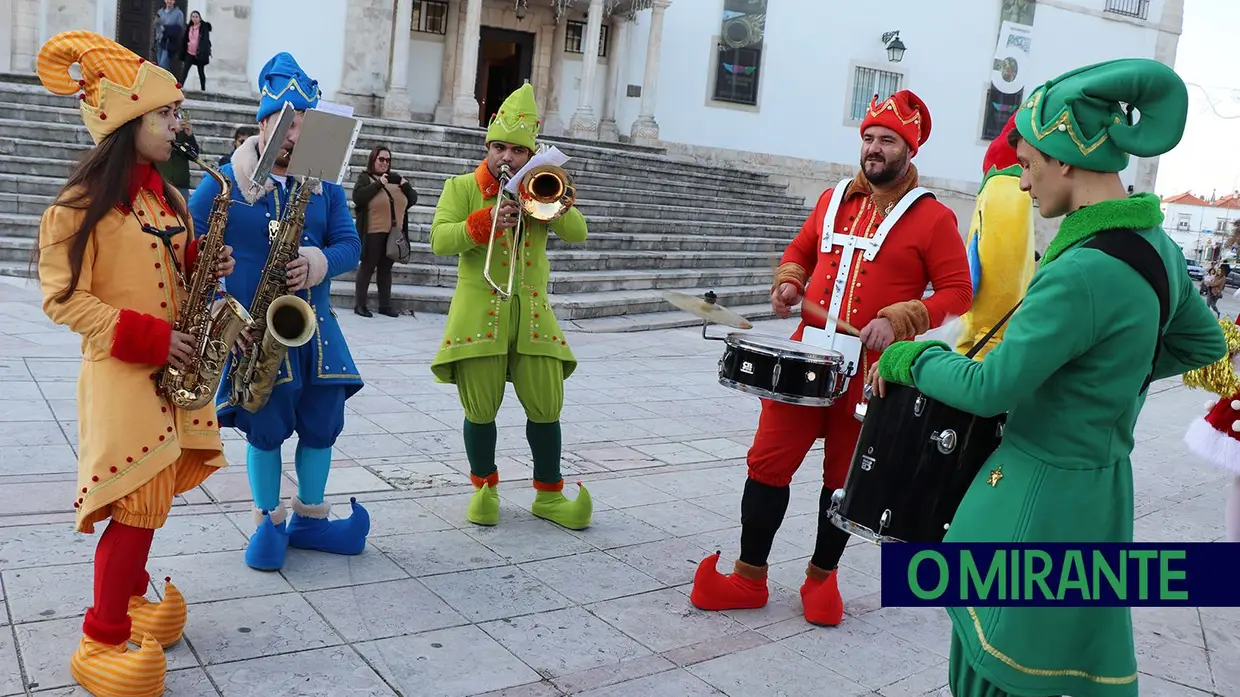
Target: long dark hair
[(97, 185), (374, 153)]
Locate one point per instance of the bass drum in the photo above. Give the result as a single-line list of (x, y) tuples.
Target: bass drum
[(915, 459)]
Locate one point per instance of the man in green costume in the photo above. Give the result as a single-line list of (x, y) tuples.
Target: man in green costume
[(491, 339), (1070, 375)]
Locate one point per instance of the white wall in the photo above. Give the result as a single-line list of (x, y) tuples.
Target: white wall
[(425, 74), (812, 49), (6, 35), (312, 31), (570, 81)]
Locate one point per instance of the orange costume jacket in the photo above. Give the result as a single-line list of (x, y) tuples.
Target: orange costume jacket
[(125, 305), (923, 248)]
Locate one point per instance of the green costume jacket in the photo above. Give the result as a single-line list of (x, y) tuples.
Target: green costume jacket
[(1067, 374), (479, 322)]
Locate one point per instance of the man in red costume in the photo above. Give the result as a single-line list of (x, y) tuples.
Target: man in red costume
[(886, 240)]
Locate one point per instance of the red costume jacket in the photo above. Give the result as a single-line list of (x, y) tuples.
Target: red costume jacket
[(923, 248)]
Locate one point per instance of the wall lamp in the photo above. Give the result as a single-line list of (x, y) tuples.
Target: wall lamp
[(895, 47)]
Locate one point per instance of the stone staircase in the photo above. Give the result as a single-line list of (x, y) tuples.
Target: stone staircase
[(655, 223)]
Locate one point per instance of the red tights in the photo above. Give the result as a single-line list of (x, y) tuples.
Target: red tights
[(120, 572)]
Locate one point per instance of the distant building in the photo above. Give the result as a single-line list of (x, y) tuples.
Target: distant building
[(1202, 226)]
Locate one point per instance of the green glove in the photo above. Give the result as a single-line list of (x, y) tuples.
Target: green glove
[(896, 363)]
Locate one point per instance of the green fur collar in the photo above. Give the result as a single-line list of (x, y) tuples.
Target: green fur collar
[(1137, 212), (1013, 171)]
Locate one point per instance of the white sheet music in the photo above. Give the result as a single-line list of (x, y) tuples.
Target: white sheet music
[(551, 156)]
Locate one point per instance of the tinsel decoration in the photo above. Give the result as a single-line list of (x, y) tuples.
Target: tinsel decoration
[(1220, 376)]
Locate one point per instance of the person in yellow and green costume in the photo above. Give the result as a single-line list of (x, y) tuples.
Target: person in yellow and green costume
[(1000, 245), (1071, 375), (489, 339)]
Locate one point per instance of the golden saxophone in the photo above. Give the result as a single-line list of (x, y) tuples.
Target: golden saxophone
[(214, 325), (282, 319)]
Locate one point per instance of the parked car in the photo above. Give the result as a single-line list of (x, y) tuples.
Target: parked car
[(1233, 279), (1197, 273)]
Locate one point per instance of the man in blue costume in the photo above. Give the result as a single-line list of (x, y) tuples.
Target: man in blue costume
[(316, 379)]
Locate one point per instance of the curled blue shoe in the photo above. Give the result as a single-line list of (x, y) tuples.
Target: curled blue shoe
[(309, 528), (269, 543)]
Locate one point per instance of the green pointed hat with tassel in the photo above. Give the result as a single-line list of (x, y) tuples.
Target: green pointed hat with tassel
[(1078, 119), (517, 120)]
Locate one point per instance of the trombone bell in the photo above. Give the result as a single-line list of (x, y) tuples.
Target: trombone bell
[(547, 192)]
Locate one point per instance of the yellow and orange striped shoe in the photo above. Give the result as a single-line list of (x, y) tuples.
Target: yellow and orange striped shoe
[(164, 620), (117, 671)]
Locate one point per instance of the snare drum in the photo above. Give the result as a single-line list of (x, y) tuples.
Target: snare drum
[(914, 461), (782, 370)]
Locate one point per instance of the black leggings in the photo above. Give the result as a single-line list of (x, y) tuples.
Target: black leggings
[(189, 62), (374, 256)]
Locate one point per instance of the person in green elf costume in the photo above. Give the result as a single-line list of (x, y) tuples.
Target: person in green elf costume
[(1070, 376), (489, 339)]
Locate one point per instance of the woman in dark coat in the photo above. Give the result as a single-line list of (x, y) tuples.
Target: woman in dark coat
[(380, 197), (197, 49)]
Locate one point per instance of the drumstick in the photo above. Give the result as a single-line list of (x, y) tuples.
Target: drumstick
[(820, 314)]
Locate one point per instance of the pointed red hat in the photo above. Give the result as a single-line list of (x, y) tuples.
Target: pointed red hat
[(904, 113), (1000, 155)]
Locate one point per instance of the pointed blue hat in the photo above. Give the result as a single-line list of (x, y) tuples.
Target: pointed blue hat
[(282, 80)]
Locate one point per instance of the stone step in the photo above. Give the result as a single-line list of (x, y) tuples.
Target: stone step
[(31, 195), (675, 319), (570, 282), (232, 115), (569, 258), (56, 161), (26, 225), (573, 306)]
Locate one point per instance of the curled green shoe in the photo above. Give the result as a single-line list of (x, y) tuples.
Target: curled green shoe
[(554, 506), (484, 506)]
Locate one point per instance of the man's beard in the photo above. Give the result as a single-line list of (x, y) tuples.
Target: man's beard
[(284, 156), (889, 172)]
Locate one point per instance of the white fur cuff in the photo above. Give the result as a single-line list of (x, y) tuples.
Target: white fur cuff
[(318, 265), (277, 516), (307, 511)]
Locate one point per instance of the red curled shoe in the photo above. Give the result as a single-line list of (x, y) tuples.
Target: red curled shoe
[(743, 589)]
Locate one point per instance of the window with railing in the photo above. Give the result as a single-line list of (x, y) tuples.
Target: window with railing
[(575, 36), (1139, 9), (868, 82), (429, 17)]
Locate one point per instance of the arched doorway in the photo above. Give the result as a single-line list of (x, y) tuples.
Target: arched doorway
[(135, 26)]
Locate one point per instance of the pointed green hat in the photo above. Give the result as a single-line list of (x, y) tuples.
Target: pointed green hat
[(517, 120), (1078, 119)]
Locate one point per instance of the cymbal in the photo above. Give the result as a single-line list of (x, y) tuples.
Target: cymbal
[(707, 309)]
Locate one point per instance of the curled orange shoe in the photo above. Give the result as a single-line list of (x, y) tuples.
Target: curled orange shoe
[(743, 589), (820, 597), (116, 671), (164, 620)]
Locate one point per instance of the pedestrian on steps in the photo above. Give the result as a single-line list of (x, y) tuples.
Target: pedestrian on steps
[(381, 201), (197, 51)]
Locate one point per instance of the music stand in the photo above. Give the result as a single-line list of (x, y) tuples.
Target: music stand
[(324, 146), (268, 159)]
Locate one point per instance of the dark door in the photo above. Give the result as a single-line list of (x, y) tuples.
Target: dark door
[(505, 62), (135, 25)]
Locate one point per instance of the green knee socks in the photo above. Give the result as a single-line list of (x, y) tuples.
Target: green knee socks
[(545, 447), (480, 448)]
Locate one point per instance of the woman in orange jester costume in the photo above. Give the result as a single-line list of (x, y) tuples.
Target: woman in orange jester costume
[(881, 291), (114, 256)]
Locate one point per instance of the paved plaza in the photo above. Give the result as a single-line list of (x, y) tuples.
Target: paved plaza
[(438, 607)]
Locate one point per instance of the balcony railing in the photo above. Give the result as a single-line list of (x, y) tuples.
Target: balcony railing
[(1129, 8)]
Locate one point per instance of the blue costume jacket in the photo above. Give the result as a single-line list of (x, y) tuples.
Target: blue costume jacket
[(329, 226)]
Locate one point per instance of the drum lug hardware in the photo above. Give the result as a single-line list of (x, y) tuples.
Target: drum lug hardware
[(945, 440), (920, 405), (999, 430), (775, 375), (947, 526), (885, 521)]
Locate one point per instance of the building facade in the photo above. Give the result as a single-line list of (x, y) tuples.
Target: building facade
[(1202, 226), (774, 85)]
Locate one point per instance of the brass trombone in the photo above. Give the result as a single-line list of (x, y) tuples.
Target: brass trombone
[(545, 194)]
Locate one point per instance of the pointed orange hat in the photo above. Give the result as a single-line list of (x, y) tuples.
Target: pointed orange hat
[(116, 86)]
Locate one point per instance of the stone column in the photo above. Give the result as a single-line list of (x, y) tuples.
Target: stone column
[(465, 104), (645, 128), (396, 101), (228, 72), (584, 123), (553, 122), (24, 23), (451, 56), (364, 73), (607, 129)]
